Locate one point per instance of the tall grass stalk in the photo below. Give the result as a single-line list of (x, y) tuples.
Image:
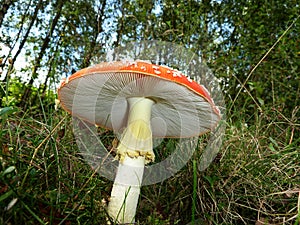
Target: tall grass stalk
[(194, 191)]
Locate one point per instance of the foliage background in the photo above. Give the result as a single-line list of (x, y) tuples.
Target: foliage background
[(251, 46)]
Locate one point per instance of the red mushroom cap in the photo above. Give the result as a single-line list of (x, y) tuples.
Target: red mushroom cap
[(98, 94)]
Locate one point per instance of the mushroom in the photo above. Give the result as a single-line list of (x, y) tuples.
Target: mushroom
[(126, 96)]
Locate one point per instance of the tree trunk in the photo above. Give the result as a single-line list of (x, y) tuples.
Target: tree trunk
[(38, 59), (22, 43), (97, 31), (4, 6)]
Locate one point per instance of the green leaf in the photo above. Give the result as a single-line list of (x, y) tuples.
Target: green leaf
[(261, 101), (273, 141), (6, 195), (9, 170), (271, 147), (6, 111)]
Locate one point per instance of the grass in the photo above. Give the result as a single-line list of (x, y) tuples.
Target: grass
[(254, 180)]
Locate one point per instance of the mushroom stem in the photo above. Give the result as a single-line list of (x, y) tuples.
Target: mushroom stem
[(133, 152)]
